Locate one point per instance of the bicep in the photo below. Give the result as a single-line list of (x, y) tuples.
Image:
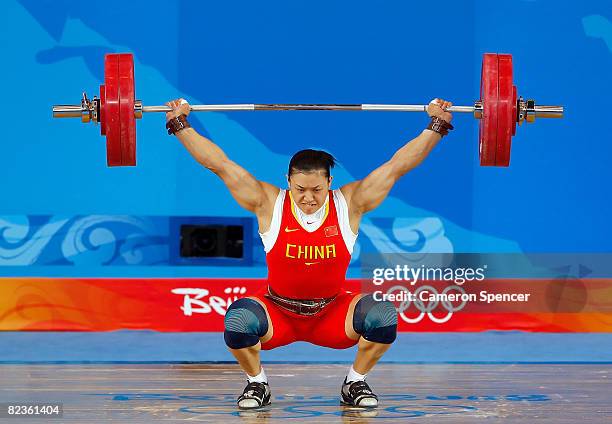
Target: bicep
[(370, 192), (250, 193)]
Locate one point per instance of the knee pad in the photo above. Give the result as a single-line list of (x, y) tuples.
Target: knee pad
[(375, 321), (245, 322)]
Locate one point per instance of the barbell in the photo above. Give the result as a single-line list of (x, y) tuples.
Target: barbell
[(498, 110)]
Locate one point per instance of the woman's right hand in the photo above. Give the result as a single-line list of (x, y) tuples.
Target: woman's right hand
[(179, 107)]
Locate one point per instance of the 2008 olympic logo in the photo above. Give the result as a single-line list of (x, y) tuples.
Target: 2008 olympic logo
[(427, 308)]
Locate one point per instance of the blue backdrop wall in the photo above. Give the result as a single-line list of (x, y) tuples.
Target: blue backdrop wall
[(555, 197)]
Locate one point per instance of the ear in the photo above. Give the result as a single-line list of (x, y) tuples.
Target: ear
[(288, 181), (330, 180)]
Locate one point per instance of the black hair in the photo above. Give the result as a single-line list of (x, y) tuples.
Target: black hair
[(309, 160)]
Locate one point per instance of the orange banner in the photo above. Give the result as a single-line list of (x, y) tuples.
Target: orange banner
[(175, 305)]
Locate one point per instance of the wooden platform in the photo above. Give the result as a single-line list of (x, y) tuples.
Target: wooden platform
[(542, 393)]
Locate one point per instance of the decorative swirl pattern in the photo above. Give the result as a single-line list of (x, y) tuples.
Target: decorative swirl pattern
[(23, 238), (91, 240)]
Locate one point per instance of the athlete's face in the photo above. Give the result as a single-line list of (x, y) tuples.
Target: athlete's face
[(310, 190)]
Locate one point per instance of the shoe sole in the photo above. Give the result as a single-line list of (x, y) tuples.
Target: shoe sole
[(254, 407), (345, 403)]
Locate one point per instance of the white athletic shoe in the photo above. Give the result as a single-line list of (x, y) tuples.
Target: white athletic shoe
[(255, 395), (358, 393)]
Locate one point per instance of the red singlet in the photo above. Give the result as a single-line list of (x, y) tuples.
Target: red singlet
[(304, 265)]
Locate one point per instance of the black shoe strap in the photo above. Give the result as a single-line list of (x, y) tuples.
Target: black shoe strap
[(254, 390)]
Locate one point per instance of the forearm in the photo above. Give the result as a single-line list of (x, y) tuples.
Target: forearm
[(414, 152), (202, 149)]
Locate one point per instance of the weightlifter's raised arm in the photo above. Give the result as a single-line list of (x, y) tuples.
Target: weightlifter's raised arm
[(250, 193), (365, 195)]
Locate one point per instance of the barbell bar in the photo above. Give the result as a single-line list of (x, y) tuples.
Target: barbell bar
[(498, 110), (77, 111)]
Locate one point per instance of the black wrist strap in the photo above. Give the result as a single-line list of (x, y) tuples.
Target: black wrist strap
[(177, 124), (440, 126)]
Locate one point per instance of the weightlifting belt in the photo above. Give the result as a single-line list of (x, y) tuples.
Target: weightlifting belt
[(299, 306)]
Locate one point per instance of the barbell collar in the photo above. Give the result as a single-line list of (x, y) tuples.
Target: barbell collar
[(138, 109), (527, 110)]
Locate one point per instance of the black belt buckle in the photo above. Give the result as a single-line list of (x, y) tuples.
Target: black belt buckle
[(308, 309)]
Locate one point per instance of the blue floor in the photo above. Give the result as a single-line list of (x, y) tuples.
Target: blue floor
[(150, 346)]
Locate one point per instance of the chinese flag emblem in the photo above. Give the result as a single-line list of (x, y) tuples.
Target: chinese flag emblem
[(331, 231)]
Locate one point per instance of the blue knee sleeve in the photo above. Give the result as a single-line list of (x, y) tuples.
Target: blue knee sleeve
[(245, 322), (375, 321)]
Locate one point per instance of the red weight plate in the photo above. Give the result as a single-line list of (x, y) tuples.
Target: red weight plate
[(111, 110), (128, 122), (514, 110), (505, 109), (487, 133), (101, 116)]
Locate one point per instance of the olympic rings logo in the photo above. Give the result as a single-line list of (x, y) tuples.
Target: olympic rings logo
[(426, 309)]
